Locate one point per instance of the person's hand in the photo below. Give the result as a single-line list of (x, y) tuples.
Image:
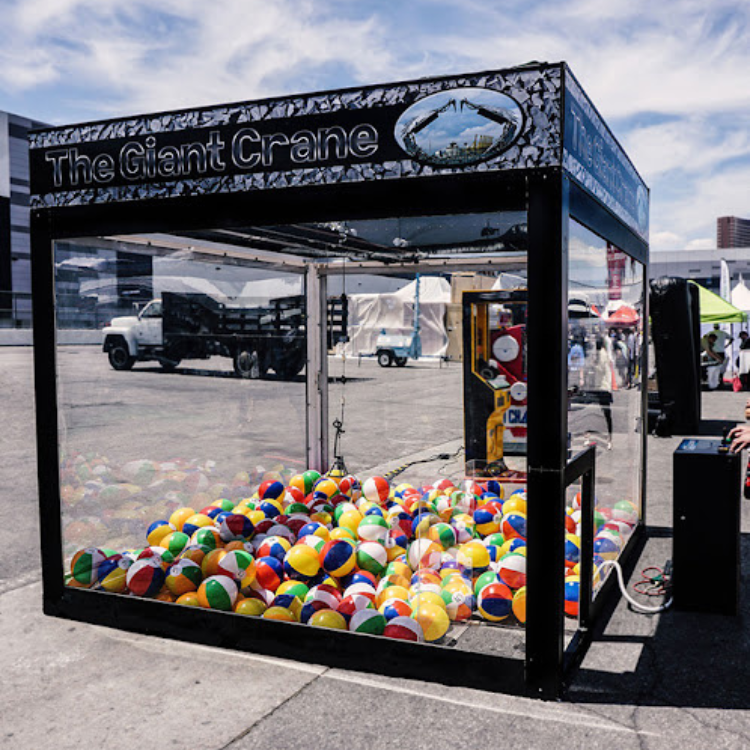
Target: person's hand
[(747, 409), (740, 437)]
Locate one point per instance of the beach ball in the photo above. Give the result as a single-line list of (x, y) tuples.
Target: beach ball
[(373, 528), (516, 503), (270, 489), (328, 618), (494, 602), (158, 530), (210, 563), (368, 621), (512, 569), (85, 565), (395, 608), (238, 565), (218, 592), (302, 483), (606, 547), (488, 518), (354, 603), (195, 522), (164, 556), (512, 545), (184, 576), (519, 604), (112, 574), (625, 511), (372, 557), (404, 628), (274, 546), (145, 577), (572, 595), (189, 600), (475, 556), (514, 525), (338, 557), (459, 603), (463, 523), (376, 490), (485, 579), (326, 486), (443, 534), (301, 562), (433, 619), (269, 572), (235, 526), (290, 602), (250, 607), (178, 517), (279, 613), (207, 536), (572, 550), (424, 553), (176, 542)]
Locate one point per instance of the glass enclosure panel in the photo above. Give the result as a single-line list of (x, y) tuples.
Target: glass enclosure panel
[(605, 381), (429, 512), (181, 365), (181, 390)]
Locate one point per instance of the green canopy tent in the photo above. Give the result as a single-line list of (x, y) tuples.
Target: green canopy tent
[(714, 309)]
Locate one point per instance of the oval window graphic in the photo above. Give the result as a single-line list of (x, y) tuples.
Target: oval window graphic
[(459, 127)]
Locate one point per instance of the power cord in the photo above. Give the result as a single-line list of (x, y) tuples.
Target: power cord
[(661, 580)]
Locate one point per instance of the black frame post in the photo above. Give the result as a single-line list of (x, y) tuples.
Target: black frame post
[(547, 423)]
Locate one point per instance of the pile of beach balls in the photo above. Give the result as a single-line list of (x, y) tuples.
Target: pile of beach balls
[(403, 561)]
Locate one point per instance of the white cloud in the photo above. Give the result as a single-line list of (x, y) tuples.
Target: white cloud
[(666, 241), (701, 243)]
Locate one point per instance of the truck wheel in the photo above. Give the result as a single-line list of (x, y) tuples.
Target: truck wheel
[(169, 364), (400, 361), (385, 358), (119, 356), (246, 364)]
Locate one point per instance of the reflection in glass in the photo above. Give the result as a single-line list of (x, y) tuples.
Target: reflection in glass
[(605, 342)]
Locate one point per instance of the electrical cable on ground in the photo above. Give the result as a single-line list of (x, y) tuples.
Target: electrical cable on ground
[(624, 591)]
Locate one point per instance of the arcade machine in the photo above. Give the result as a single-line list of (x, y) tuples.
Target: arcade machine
[(494, 340)]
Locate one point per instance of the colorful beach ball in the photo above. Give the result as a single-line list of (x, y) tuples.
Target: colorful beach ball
[(328, 618), (238, 565), (184, 576), (514, 525), (433, 619), (519, 604), (376, 490), (274, 546), (269, 572), (301, 562), (368, 621), (145, 577), (195, 522), (572, 595), (176, 542), (512, 569), (250, 607), (495, 602), (443, 534), (625, 511), (475, 556), (395, 608), (338, 557), (112, 574), (372, 557), (373, 528), (488, 518), (353, 603), (572, 550), (606, 547), (424, 553), (404, 628), (218, 592), (207, 536), (235, 526), (164, 556), (158, 530), (85, 565)]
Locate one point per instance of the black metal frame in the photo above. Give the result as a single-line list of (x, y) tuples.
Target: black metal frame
[(550, 199)]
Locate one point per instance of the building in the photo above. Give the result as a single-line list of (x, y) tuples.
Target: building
[(703, 266), (732, 231), (15, 250)]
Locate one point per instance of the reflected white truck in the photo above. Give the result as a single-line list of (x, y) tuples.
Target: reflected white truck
[(196, 326)]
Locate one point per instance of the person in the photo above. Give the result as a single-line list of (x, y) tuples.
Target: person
[(744, 340), (600, 389), (715, 360)]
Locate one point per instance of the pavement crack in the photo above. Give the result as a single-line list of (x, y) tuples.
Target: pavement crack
[(281, 705)]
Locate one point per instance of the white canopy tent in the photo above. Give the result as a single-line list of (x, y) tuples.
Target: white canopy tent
[(370, 314)]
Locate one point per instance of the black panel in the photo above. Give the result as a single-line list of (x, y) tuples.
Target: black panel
[(702, 469), (6, 281)]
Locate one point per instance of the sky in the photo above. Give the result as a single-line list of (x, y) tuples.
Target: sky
[(671, 78)]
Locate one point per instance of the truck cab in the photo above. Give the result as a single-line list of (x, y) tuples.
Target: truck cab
[(130, 338)]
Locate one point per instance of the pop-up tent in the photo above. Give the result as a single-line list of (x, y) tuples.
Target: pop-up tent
[(714, 309), (741, 295)]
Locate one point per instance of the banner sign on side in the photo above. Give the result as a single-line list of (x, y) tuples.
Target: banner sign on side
[(594, 159)]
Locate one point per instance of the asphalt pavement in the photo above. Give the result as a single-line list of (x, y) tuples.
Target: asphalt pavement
[(649, 681)]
